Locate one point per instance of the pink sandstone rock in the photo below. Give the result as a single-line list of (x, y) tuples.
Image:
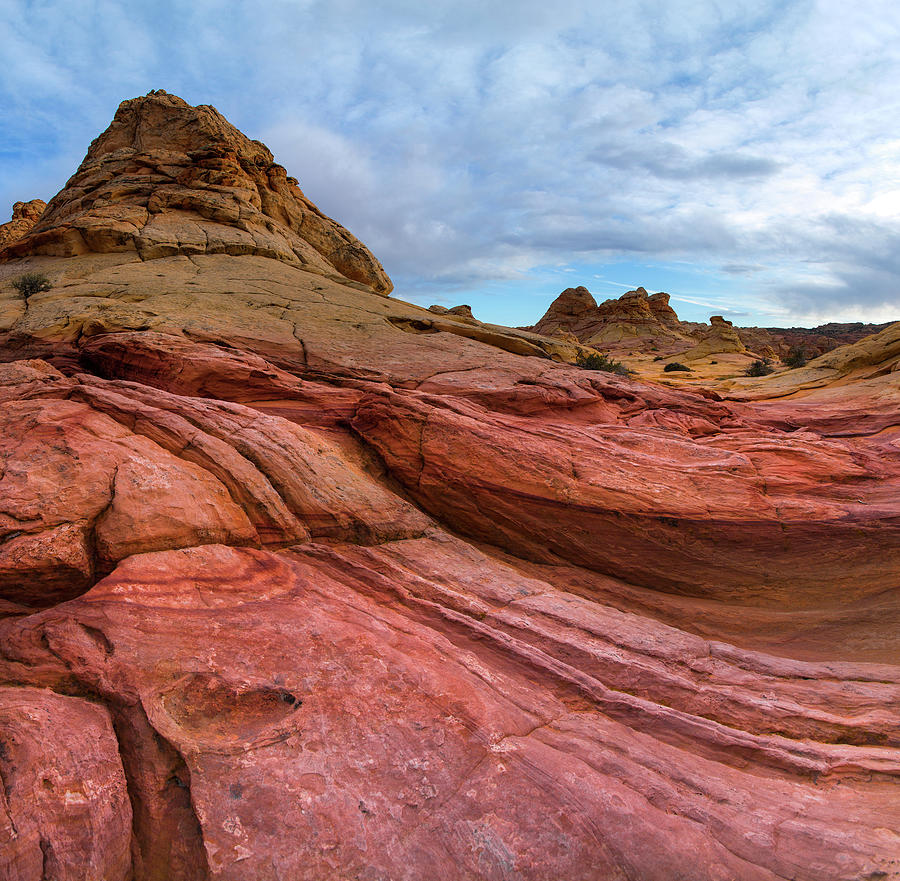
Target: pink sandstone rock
[(300, 582), (64, 808)]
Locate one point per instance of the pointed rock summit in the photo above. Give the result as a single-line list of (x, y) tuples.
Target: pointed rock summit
[(167, 178)]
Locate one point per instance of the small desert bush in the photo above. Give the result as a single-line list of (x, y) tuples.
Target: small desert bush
[(674, 365), (596, 361), (31, 283), (759, 368), (796, 357)]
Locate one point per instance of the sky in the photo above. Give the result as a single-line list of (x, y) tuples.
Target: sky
[(743, 155)]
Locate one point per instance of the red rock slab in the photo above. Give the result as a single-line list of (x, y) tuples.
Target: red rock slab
[(782, 520), (80, 492), (863, 630), (64, 808), (97, 470), (865, 408), (419, 710), (197, 369), (322, 481)]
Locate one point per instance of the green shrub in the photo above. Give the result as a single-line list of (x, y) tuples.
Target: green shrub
[(796, 357), (596, 361), (675, 365), (31, 283), (759, 368)]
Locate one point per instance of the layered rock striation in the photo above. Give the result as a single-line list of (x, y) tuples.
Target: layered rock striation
[(301, 582)]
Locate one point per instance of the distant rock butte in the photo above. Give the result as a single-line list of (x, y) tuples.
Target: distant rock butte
[(638, 322), (299, 582), (721, 337), (24, 216), (167, 178)]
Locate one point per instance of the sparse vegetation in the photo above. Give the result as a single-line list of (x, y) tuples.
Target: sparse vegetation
[(796, 357), (675, 365), (31, 283), (596, 361), (760, 368)]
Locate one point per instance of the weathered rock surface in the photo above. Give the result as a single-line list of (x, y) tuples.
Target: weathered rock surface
[(406, 709), (300, 582), (24, 216), (64, 808), (870, 361), (166, 178), (813, 341)]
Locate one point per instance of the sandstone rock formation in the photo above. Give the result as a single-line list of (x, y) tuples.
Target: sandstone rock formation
[(660, 308), (849, 390), (721, 337), (301, 582), (638, 323), (167, 178), (460, 313), (24, 216), (63, 777)]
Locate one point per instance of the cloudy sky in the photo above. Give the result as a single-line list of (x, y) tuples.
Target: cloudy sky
[(743, 155)]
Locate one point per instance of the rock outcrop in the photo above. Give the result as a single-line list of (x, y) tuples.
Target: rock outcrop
[(638, 323), (166, 178), (813, 341), (660, 308), (635, 317), (635, 322), (301, 582), (24, 216), (871, 366), (64, 806), (721, 337)]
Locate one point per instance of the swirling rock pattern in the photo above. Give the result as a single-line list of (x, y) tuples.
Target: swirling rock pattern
[(300, 582)]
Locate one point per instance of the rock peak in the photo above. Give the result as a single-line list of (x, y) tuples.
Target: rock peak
[(168, 178), (573, 301)]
